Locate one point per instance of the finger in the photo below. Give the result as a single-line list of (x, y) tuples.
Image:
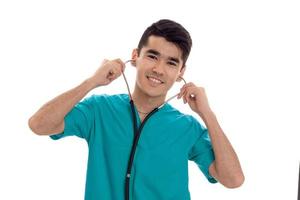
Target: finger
[(181, 93), (104, 61), (184, 96), (187, 85), (115, 68), (186, 99), (182, 90), (110, 73), (115, 72), (122, 64), (190, 96), (112, 77)]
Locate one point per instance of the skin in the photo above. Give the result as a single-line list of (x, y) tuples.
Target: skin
[(226, 167), (157, 59)]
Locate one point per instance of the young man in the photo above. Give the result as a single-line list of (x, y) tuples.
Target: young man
[(168, 139)]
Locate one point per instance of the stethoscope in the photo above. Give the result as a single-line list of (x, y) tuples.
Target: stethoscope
[(137, 132)]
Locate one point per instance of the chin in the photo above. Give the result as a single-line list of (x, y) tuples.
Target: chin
[(152, 92), (155, 94)]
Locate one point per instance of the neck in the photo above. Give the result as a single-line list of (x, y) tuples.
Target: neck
[(145, 103)]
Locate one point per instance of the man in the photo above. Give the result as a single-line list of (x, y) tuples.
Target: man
[(169, 138)]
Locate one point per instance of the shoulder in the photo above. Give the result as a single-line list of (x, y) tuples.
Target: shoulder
[(179, 115), (106, 103), (185, 123), (106, 98), (182, 118)]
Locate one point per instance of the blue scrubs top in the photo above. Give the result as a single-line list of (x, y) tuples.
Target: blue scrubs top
[(160, 168)]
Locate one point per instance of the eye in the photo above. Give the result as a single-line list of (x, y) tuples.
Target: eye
[(152, 56), (172, 64)]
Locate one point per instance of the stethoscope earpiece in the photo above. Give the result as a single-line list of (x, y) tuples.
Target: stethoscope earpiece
[(133, 62)]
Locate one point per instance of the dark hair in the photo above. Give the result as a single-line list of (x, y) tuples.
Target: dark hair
[(172, 32)]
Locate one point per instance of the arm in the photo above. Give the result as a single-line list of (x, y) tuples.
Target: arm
[(49, 119), (226, 167)]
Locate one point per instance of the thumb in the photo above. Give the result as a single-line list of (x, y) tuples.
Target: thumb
[(104, 61)]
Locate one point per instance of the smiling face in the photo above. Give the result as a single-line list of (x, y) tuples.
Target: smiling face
[(159, 65)]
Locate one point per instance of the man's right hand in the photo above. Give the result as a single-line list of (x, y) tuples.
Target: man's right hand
[(107, 72), (49, 119)]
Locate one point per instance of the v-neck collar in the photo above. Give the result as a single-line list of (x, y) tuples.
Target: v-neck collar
[(139, 122)]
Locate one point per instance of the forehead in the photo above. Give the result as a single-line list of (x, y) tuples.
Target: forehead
[(165, 48)]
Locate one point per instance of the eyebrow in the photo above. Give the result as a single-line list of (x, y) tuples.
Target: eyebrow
[(155, 52)]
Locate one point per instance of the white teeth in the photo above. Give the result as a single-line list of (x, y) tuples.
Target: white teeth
[(154, 80)]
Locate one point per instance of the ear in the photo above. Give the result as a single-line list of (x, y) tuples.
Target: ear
[(134, 56), (181, 73)]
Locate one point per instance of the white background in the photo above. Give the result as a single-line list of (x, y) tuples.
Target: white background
[(245, 53)]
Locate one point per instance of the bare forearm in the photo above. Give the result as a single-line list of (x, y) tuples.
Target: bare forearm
[(227, 165), (51, 115)]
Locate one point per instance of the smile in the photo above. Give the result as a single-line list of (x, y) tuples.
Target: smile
[(154, 80)]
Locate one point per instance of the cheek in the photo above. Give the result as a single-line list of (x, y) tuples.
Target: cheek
[(147, 64), (140, 75), (143, 68), (172, 76)]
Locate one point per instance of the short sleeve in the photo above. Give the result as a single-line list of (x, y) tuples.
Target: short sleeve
[(202, 152), (79, 121)]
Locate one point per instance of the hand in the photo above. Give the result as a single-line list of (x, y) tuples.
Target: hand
[(195, 97), (107, 72)]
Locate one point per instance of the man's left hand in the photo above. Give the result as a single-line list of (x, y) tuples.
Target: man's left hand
[(195, 97)]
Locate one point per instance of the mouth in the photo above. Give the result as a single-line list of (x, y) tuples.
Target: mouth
[(154, 80)]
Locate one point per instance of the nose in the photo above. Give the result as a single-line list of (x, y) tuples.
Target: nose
[(158, 68)]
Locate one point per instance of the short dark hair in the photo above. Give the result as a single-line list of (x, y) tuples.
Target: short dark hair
[(172, 32)]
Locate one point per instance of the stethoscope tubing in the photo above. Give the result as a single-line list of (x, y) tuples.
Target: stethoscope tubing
[(137, 132)]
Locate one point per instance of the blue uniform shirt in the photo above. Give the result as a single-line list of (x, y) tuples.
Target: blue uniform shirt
[(160, 168)]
